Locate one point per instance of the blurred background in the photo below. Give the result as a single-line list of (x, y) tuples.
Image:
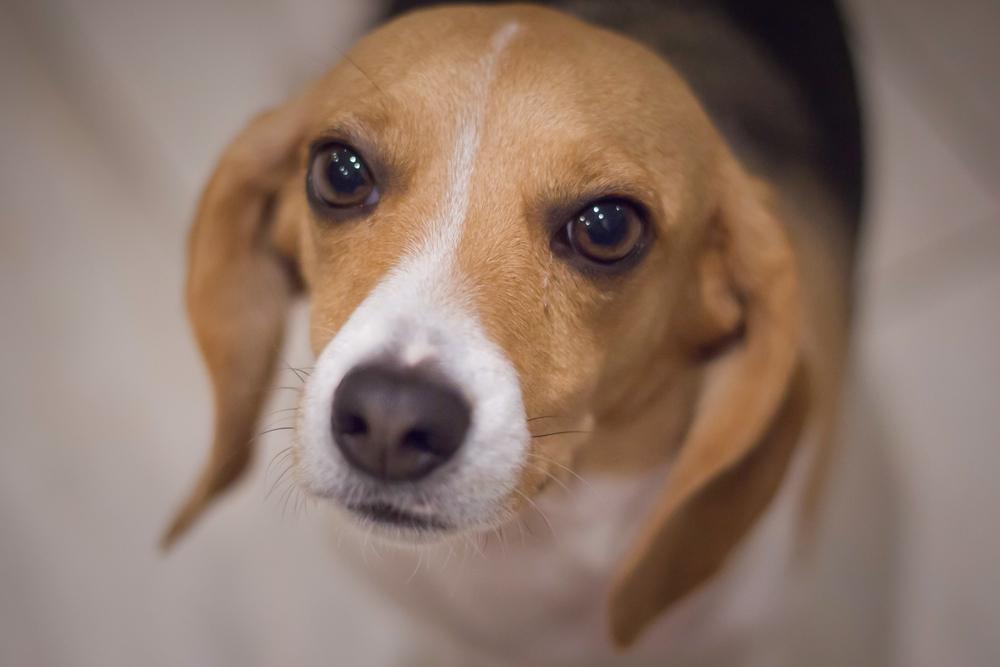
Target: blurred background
[(112, 114)]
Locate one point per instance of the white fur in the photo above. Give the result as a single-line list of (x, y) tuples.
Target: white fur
[(419, 312), (544, 581)]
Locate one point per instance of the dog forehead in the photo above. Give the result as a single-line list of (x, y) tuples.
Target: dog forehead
[(432, 58)]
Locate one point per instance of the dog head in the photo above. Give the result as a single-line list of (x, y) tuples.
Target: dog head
[(526, 251)]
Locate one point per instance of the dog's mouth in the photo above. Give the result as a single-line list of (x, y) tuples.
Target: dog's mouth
[(390, 515)]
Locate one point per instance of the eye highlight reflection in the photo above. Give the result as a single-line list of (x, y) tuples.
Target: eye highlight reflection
[(339, 178), (606, 231)]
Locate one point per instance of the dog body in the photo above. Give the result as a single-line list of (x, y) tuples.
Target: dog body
[(569, 352)]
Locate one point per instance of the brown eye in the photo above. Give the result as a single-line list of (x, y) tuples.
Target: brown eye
[(339, 178), (606, 231)]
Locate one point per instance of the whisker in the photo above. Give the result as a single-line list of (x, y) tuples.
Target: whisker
[(278, 481), (262, 434), (546, 435), (283, 454), (280, 410), (546, 459), (471, 540), (277, 422), (286, 496), (297, 372), (420, 561), (447, 559), (302, 507), (272, 430), (520, 527), (537, 509), (376, 546), (548, 475), (500, 538)]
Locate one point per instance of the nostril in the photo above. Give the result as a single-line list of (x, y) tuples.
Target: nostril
[(352, 424), (418, 439)]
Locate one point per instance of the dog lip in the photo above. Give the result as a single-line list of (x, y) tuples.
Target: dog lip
[(390, 514)]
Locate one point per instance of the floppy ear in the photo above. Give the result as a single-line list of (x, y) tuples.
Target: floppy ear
[(746, 421), (240, 282)]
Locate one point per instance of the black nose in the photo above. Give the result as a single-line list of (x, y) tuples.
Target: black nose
[(397, 424)]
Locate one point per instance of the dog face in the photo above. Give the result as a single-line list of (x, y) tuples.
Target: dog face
[(509, 240), (526, 251)]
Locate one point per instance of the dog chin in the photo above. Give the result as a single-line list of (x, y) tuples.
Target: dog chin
[(406, 537), (398, 526)]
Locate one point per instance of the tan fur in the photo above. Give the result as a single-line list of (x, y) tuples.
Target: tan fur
[(693, 357)]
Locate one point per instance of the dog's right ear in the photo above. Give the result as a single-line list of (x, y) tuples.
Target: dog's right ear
[(240, 282)]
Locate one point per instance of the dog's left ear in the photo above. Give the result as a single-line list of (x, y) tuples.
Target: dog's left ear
[(747, 417), (241, 279)]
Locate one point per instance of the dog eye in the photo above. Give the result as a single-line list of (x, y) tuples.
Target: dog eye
[(606, 231), (339, 178)]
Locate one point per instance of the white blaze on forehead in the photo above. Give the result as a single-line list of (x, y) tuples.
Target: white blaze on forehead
[(431, 267), (416, 313), (445, 233)]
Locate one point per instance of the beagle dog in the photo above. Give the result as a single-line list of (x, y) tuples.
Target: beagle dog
[(577, 348)]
